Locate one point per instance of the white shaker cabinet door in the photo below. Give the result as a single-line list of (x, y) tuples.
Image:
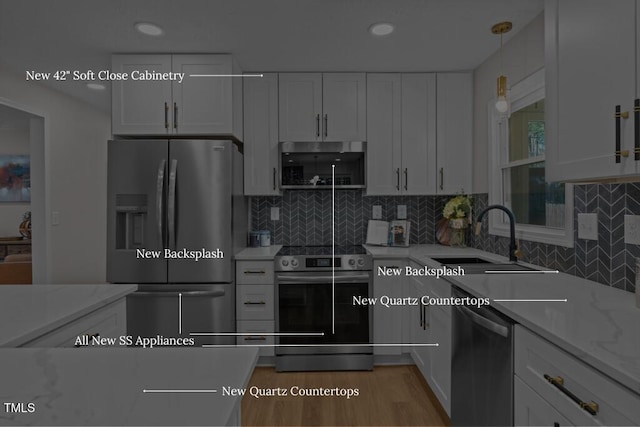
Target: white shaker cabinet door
[(202, 103), (384, 136), (591, 69), (417, 176), (261, 136), (300, 106), (344, 116), (454, 128), (141, 107)]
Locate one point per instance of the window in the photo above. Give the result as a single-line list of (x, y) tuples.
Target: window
[(543, 210)]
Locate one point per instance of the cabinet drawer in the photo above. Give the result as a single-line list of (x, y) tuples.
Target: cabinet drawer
[(109, 321), (254, 272), (532, 410), (258, 329), (254, 302), (535, 357)]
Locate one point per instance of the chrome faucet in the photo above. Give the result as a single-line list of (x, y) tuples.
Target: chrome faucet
[(514, 252)]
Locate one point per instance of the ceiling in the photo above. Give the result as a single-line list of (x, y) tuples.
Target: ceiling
[(263, 35)]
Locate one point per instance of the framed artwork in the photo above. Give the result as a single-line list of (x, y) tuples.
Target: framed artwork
[(15, 178)]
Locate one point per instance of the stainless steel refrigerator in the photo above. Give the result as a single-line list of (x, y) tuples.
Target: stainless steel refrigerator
[(167, 198)]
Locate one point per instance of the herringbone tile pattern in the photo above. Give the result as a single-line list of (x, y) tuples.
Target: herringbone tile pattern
[(306, 218)]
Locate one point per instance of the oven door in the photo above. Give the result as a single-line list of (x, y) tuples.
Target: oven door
[(303, 304)]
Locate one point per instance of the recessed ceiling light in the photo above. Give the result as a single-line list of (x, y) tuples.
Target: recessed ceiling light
[(149, 29), (96, 86), (381, 29)]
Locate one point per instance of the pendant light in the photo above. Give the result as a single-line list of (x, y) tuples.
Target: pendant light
[(502, 104)]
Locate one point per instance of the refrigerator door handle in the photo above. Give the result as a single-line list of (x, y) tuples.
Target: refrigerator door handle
[(171, 205), (159, 199)]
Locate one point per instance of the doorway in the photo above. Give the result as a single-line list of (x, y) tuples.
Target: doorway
[(22, 148)]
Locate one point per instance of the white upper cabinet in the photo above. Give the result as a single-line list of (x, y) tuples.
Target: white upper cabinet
[(418, 134), (384, 135), (140, 107), (401, 132), (454, 130), (419, 131), (344, 102), (322, 107), (300, 103), (207, 101), (261, 135), (591, 71)]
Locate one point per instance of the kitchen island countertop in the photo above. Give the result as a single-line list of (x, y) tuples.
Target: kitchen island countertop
[(106, 386), (28, 312), (598, 324)]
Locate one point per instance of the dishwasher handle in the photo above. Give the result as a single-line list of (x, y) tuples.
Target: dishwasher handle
[(212, 294), (490, 325)]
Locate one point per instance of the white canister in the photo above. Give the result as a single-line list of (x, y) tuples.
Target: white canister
[(265, 238)]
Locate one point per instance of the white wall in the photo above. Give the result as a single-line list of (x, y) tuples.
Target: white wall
[(13, 141), (523, 55), (76, 174)]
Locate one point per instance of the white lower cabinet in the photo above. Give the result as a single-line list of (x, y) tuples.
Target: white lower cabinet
[(255, 313), (387, 321), (576, 391), (109, 321), (431, 324)]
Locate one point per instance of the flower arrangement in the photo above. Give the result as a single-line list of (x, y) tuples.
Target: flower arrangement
[(457, 208)]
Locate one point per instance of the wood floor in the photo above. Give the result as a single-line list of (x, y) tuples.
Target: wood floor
[(389, 396)]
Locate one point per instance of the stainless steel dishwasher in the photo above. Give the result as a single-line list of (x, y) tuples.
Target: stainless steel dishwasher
[(482, 366)]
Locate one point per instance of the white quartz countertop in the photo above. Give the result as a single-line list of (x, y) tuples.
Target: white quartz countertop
[(598, 324), (30, 311), (263, 253), (106, 386)]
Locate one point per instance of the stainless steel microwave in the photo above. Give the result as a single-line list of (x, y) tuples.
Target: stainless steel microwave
[(316, 165)]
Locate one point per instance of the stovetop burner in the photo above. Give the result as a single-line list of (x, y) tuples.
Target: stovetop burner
[(321, 250)]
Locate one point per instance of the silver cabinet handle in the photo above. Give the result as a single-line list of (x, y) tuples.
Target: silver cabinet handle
[(175, 115), (171, 204), (406, 179), (159, 199), (442, 178), (317, 125), (398, 179), (166, 116), (254, 303), (326, 125)]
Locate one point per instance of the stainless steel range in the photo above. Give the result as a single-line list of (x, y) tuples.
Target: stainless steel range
[(314, 294)]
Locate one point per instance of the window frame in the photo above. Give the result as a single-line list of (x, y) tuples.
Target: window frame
[(523, 93)]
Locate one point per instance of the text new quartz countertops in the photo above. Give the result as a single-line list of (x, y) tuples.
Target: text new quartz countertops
[(30, 311), (598, 324), (104, 386)]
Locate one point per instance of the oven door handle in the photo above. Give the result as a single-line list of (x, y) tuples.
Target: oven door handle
[(356, 278)]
